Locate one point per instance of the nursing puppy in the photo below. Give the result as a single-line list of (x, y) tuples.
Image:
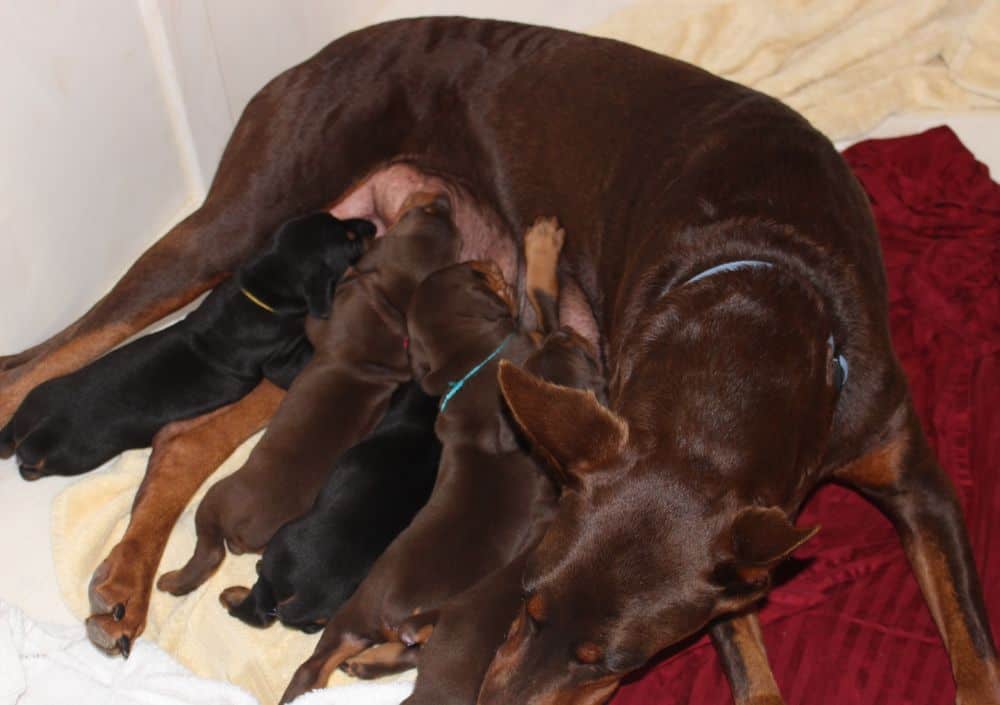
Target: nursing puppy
[(360, 359), (458, 641), (248, 328), (313, 564), (491, 501)]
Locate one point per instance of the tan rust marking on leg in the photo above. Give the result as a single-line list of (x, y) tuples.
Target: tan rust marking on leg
[(382, 660), (881, 468), (348, 647), (740, 645), (316, 671), (184, 454), (977, 679)]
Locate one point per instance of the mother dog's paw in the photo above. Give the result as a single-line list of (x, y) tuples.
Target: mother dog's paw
[(119, 599)]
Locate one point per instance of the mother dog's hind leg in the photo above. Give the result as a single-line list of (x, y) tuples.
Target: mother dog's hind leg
[(903, 479), (184, 454)]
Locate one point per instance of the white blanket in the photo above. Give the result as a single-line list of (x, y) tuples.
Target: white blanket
[(45, 664), (56, 665)]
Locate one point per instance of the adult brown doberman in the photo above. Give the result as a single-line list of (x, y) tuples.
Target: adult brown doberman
[(660, 172)]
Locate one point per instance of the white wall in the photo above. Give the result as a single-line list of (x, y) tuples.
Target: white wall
[(89, 168), (115, 114)]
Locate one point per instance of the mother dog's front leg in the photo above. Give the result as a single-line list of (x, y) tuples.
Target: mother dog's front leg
[(902, 478), (740, 645), (184, 454)]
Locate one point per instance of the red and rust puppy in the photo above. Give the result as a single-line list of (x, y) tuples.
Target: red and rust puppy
[(459, 640), (491, 500), (250, 327), (672, 171), (360, 359)]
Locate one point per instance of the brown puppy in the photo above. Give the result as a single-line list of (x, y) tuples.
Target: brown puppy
[(335, 401), (461, 637), (491, 500), (659, 169)]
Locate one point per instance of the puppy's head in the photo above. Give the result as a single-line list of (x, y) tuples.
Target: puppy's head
[(453, 315), (307, 257), (297, 584)]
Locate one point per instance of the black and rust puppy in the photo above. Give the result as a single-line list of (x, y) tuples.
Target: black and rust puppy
[(249, 327), (313, 564)]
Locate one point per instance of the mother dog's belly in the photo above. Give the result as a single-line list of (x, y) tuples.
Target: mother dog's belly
[(379, 196)]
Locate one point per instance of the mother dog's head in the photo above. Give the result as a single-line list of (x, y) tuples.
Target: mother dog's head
[(678, 500)]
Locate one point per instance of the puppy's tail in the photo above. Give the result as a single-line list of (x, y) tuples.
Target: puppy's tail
[(208, 553), (255, 607)]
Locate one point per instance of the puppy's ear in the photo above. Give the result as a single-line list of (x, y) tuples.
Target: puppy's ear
[(569, 427), (359, 227), (760, 538)]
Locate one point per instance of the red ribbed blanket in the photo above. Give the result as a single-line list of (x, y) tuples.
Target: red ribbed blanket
[(852, 628)]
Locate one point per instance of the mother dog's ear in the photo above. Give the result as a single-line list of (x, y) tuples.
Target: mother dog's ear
[(759, 538), (569, 427)]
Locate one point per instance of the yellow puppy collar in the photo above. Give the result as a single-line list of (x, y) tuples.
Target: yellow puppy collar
[(256, 300)]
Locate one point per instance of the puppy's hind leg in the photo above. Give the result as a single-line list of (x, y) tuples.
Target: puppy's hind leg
[(338, 644), (209, 551), (902, 478), (382, 660), (542, 245)]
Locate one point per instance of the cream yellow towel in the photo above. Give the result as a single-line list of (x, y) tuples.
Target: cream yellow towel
[(845, 64), (90, 516)]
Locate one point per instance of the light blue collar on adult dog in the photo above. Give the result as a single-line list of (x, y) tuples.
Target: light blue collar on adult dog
[(840, 376), (453, 387), (729, 267)]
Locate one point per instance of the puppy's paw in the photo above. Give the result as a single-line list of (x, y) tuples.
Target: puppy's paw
[(417, 630), (119, 598), (544, 239), (32, 450), (233, 597), (382, 660)]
